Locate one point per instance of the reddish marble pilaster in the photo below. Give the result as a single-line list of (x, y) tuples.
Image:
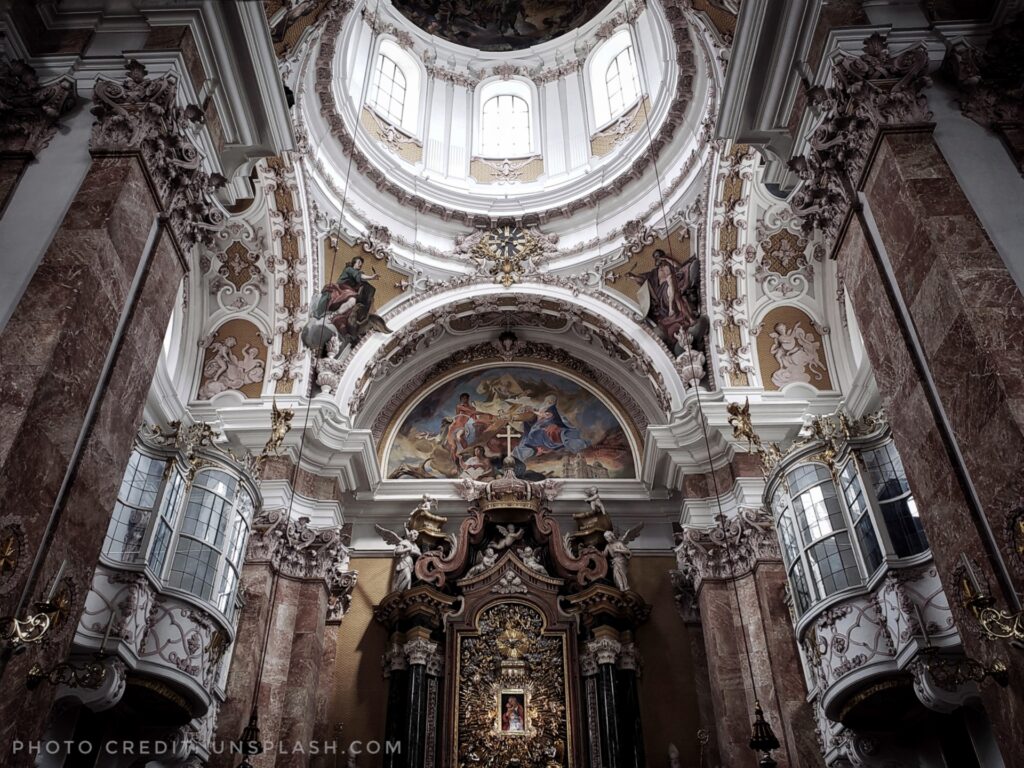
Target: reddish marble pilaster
[(736, 572), (299, 700), (741, 618), (257, 583), (284, 640), (52, 354), (969, 317)]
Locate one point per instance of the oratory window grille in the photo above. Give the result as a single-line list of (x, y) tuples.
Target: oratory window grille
[(188, 536), (840, 517)]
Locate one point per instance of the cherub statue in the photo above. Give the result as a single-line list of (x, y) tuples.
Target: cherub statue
[(509, 536), (425, 518), (405, 554), (591, 523), (593, 498), (280, 425), (618, 552), (529, 558), (487, 559)]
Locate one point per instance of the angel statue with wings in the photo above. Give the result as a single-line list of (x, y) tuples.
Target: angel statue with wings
[(405, 554), (619, 553)]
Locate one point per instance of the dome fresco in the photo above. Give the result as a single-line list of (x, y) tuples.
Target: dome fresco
[(499, 25)]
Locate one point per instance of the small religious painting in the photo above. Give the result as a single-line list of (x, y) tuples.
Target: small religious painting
[(551, 425), (512, 709)]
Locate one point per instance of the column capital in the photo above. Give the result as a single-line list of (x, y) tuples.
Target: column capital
[(588, 664), (726, 551), (31, 111), (869, 92), (294, 548), (981, 75), (340, 583), (394, 659), (141, 114), (629, 658), (605, 649), (421, 652)]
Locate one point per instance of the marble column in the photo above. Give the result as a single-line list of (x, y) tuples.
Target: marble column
[(686, 602), (77, 357), (941, 320), (423, 659), (590, 709), (605, 650), (396, 670), (631, 735), (751, 654)]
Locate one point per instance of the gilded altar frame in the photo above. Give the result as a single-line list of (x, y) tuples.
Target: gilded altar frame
[(480, 595)]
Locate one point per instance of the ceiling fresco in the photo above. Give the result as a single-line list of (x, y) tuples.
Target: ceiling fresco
[(499, 25), (558, 429)]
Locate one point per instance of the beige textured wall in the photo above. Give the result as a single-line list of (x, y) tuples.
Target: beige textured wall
[(667, 687), (360, 702), (668, 700)]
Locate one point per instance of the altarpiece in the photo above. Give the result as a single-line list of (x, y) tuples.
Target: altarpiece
[(512, 647)]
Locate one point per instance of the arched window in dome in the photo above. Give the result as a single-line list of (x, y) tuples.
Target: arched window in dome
[(614, 78), (394, 94), (506, 121)]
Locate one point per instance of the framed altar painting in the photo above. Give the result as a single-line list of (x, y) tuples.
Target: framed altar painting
[(512, 717)]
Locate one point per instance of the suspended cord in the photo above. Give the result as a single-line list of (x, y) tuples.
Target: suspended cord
[(689, 348), (323, 323)]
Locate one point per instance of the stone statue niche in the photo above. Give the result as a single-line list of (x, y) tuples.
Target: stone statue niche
[(510, 638)]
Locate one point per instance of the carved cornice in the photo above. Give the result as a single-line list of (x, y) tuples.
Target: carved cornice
[(728, 550), (141, 114), (869, 92), (421, 604), (295, 549), (602, 602), (30, 111)]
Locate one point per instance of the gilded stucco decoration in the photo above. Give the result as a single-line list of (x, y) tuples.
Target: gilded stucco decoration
[(512, 695), (728, 305)]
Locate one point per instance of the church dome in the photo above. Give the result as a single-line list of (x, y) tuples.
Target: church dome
[(567, 131)]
